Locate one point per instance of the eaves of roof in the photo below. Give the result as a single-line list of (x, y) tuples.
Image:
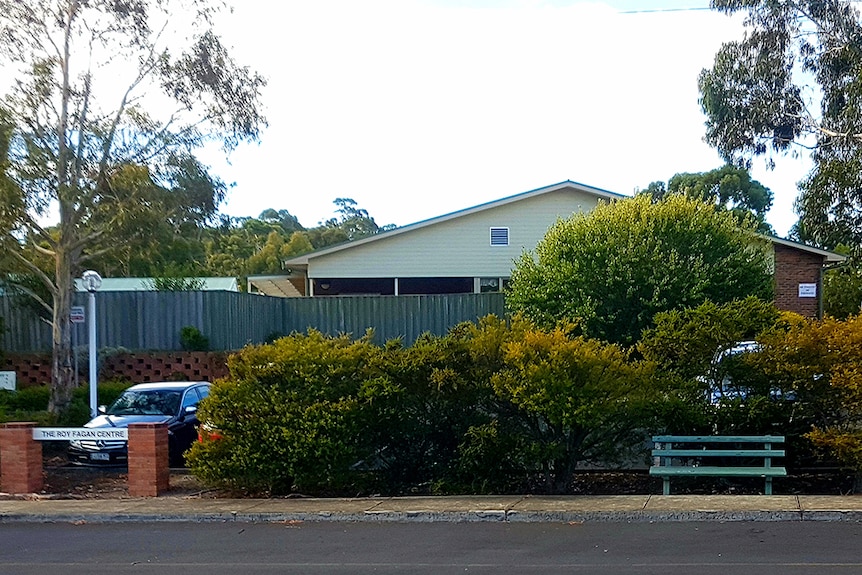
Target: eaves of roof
[(830, 257)]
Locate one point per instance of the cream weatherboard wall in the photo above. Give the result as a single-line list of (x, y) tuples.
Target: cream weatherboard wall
[(457, 246)]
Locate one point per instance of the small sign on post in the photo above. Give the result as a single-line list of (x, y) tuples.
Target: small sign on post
[(76, 315)]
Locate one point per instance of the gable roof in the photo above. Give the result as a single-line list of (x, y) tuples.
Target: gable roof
[(598, 192)]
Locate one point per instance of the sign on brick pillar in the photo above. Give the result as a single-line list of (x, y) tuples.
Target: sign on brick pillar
[(20, 459), (149, 471)]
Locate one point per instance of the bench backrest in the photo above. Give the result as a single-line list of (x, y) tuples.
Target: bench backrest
[(665, 446), (718, 438)]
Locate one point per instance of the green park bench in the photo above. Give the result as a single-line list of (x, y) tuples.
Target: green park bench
[(692, 455)]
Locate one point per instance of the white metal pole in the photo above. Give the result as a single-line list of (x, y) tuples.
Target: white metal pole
[(94, 408), (75, 350)]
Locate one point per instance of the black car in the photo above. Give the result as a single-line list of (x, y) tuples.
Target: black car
[(174, 403)]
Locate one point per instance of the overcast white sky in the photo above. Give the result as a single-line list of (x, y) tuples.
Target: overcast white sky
[(416, 108)]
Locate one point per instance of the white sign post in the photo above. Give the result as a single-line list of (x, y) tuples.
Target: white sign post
[(93, 281), (76, 315)]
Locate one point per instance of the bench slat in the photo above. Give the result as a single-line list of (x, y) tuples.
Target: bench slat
[(719, 471), (718, 452), (718, 438)]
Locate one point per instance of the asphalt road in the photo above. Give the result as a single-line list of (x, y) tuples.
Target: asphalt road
[(440, 548)]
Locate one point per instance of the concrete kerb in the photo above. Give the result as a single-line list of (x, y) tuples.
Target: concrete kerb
[(579, 509), (430, 517)]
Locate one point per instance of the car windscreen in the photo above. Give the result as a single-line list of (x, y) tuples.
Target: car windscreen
[(146, 402)]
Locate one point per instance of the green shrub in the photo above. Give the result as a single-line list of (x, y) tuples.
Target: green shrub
[(416, 414), (31, 404), (685, 342), (33, 398), (684, 345), (587, 401), (460, 413), (821, 362), (26, 404), (191, 339), (842, 286), (613, 269), (494, 458), (289, 415), (176, 284)]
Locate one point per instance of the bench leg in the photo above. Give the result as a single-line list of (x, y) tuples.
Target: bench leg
[(768, 488), (665, 485)]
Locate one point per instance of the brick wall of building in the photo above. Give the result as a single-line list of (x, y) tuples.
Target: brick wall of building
[(794, 267)]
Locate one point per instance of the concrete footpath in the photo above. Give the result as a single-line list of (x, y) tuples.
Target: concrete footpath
[(628, 508)]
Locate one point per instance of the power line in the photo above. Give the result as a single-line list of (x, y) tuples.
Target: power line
[(692, 9), (656, 10)]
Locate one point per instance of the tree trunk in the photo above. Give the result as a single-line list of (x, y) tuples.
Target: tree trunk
[(62, 376)]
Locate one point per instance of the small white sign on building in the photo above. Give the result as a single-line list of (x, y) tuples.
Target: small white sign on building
[(7, 380), (807, 290)]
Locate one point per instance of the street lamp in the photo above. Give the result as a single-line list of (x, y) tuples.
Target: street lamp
[(92, 282)]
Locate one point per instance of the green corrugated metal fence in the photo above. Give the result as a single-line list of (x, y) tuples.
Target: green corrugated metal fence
[(153, 320)]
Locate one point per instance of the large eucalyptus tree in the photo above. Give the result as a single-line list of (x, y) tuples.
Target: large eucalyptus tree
[(109, 101), (793, 84)]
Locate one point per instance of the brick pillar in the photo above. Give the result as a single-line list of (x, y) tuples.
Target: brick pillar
[(20, 459), (149, 472)]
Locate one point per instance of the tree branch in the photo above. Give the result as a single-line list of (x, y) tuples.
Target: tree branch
[(83, 241), (42, 303), (43, 277), (98, 253), (148, 65), (41, 232)]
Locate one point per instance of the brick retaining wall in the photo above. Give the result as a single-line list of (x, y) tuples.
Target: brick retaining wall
[(135, 367)]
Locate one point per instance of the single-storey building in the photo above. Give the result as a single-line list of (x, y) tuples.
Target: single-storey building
[(473, 251)]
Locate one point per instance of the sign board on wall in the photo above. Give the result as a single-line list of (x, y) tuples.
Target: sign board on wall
[(7, 380), (807, 290), (72, 433)]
